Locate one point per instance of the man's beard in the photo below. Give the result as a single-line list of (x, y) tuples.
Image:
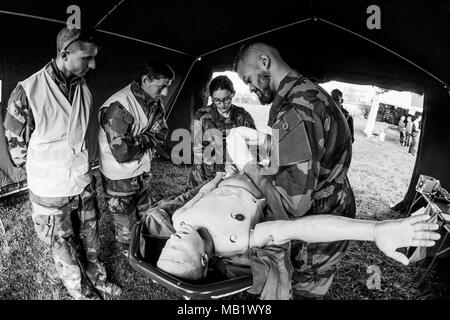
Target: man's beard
[(265, 93)]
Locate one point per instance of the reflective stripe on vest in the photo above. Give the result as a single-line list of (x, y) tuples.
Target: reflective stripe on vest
[(57, 159), (108, 164)]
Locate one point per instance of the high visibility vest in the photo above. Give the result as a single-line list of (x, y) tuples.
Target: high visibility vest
[(57, 158), (109, 166)]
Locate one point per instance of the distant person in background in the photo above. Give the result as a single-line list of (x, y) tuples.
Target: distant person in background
[(402, 129), (409, 126), (221, 115), (415, 131), (336, 94)]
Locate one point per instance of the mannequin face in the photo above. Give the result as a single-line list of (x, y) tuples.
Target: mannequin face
[(186, 253)]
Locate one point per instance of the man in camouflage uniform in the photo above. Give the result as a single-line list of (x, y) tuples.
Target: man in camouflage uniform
[(206, 119), (65, 212), (310, 159), (415, 132), (336, 94), (408, 128), (132, 125)]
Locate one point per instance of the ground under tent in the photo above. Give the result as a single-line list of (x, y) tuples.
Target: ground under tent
[(323, 40)]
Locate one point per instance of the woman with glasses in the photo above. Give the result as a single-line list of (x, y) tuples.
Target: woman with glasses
[(210, 127)]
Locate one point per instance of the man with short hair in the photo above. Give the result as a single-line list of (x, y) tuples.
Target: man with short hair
[(415, 132), (133, 124), (310, 159), (46, 128), (408, 129), (337, 96), (402, 130)]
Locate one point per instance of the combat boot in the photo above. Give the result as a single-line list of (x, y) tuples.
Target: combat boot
[(83, 293), (108, 288)]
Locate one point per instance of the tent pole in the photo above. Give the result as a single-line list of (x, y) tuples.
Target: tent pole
[(31, 16), (109, 13), (99, 30), (181, 87), (256, 35), (145, 42), (386, 49)]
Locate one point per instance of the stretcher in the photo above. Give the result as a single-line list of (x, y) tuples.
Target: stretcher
[(144, 253)]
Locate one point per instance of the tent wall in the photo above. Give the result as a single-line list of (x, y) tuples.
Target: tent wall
[(315, 48)]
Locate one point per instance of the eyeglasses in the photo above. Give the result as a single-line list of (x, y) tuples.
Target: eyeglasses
[(224, 100), (85, 35)]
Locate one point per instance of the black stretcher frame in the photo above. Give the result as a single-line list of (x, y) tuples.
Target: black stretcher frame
[(207, 291)]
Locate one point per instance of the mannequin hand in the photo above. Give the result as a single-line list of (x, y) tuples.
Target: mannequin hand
[(211, 185), (413, 231)]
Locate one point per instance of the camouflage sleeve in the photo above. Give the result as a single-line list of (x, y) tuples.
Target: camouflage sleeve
[(197, 142), (297, 163), (117, 123), (248, 120), (352, 129), (156, 134), (19, 124)]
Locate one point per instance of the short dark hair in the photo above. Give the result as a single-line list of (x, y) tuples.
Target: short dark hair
[(335, 94), (155, 69), (67, 35), (220, 83), (243, 50)]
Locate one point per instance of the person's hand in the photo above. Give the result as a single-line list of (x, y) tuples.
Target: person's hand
[(413, 231), (230, 169), (239, 152), (269, 233), (252, 136), (211, 185)]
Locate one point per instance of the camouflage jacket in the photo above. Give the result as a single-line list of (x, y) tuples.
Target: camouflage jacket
[(19, 125), (209, 118), (19, 119), (349, 119), (124, 146), (314, 154)]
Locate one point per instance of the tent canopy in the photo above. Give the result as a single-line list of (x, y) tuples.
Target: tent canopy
[(323, 39), (402, 99)]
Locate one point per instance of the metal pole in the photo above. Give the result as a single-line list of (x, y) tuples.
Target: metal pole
[(181, 87), (386, 49), (109, 13), (99, 30), (143, 41), (257, 35), (31, 16)]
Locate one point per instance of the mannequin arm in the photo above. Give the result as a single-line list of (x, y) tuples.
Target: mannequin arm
[(388, 235)]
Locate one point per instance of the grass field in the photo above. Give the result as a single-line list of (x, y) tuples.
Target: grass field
[(379, 174)]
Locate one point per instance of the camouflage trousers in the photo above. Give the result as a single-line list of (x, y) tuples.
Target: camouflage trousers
[(127, 200), (413, 144), (71, 231), (314, 267)]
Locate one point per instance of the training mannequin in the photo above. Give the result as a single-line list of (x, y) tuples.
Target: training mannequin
[(227, 221)]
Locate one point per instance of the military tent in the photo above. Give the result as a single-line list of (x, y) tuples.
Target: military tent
[(401, 45)]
